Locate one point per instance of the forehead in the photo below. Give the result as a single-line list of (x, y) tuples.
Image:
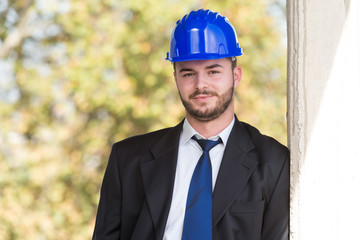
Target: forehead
[(202, 64)]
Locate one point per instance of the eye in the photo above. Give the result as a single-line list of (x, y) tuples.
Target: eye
[(188, 74), (214, 72)]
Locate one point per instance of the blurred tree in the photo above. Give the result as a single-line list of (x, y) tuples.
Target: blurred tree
[(76, 76)]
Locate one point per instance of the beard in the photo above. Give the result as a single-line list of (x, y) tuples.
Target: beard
[(209, 114)]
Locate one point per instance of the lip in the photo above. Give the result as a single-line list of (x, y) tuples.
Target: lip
[(202, 97)]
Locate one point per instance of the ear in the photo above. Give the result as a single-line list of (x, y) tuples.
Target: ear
[(237, 75), (174, 73)]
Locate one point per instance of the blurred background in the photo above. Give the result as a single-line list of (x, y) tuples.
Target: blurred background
[(76, 76)]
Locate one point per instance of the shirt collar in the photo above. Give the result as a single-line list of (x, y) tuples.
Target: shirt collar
[(188, 131)]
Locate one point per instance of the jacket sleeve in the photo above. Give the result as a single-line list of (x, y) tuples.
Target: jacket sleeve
[(108, 219), (276, 215)]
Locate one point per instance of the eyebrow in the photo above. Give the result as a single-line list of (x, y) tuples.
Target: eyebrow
[(214, 66), (207, 67), (186, 70)]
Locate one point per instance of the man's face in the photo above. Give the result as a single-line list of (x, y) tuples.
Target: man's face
[(206, 87)]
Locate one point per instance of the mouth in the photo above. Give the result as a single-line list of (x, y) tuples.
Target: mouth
[(202, 95)]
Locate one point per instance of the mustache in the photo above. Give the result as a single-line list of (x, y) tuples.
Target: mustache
[(203, 92)]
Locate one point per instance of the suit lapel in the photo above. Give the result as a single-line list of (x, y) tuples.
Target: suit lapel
[(236, 168), (158, 177)]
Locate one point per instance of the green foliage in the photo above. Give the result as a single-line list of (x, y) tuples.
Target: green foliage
[(82, 75)]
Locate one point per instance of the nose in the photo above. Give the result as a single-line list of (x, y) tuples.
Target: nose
[(202, 81)]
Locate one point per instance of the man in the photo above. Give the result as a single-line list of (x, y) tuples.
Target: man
[(209, 177)]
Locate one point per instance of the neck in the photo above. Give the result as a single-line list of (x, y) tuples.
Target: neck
[(211, 128)]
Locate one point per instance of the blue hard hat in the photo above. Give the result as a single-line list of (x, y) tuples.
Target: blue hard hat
[(202, 35)]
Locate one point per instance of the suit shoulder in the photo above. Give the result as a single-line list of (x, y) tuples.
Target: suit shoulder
[(263, 142), (142, 139), (128, 152)]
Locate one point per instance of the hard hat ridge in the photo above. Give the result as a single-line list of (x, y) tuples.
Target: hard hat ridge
[(202, 35)]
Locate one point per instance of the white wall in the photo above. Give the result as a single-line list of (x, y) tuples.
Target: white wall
[(324, 118)]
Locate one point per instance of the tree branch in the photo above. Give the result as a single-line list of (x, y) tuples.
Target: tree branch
[(20, 32)]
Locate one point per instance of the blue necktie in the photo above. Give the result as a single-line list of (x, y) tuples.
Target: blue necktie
[(198, 215)]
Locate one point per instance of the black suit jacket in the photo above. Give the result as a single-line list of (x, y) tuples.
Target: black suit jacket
[(250, 199)]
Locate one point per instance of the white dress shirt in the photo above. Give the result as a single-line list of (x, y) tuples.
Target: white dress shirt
[(188, 156)]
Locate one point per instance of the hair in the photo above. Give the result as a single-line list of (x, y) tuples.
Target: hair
[(233, 61)]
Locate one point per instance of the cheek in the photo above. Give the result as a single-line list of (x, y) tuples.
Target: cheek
[(182, 90), (184, 86), (230, 82)]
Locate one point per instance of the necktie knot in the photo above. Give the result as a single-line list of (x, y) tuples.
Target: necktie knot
[(206, 144)]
